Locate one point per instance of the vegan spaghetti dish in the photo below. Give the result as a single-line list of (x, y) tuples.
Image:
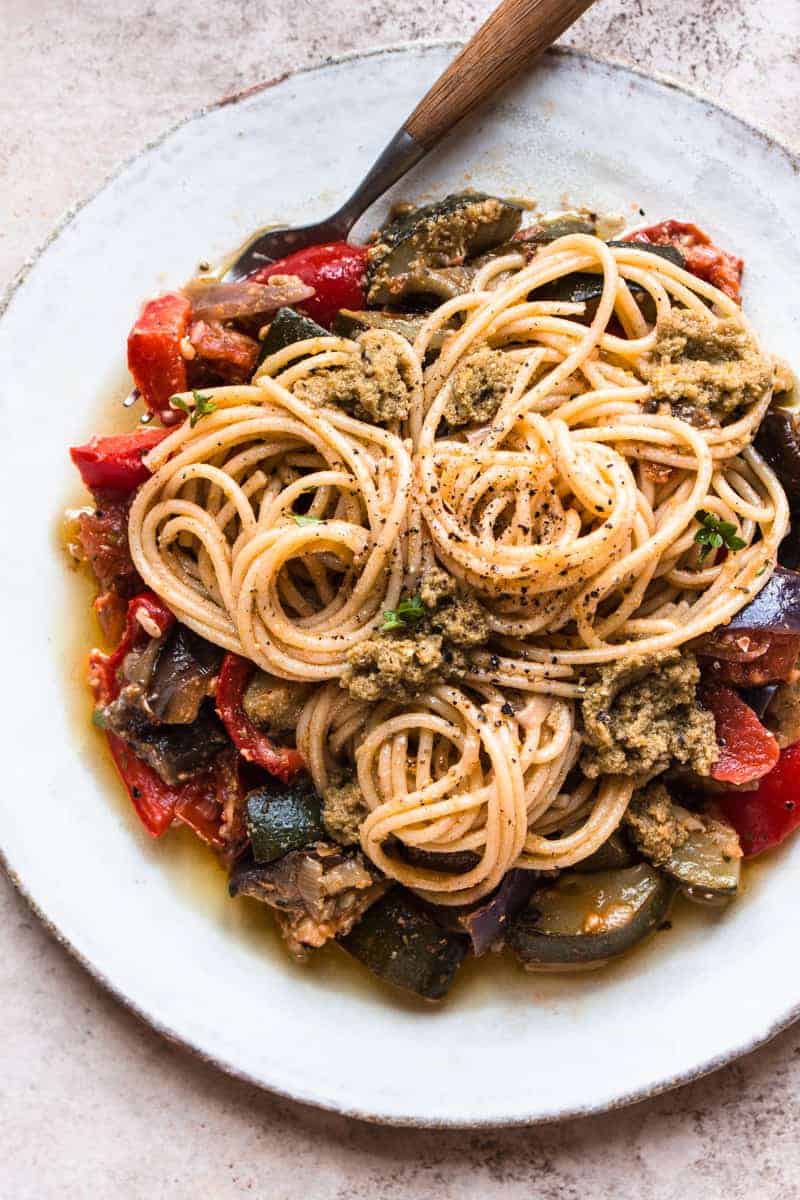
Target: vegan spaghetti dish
[(442, 576)]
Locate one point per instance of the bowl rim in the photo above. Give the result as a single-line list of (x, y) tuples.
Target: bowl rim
[(765, 1034)]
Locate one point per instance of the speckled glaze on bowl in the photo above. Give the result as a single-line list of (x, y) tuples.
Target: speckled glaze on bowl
[(506, 1048)]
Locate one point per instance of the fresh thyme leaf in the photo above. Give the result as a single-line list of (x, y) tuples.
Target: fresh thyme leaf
[(411, 609), (302, 519), (203, 407), (407, 612), (715, 533), (391, 621)]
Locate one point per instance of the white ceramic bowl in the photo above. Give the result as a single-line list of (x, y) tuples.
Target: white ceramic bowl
[(152, 921)]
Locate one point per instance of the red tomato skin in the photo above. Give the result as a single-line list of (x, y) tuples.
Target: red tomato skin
[(748, 751), (154, 351), (703, 258), (336, 271), (113, 465), (103, 535), (776, 662), (765, 818), (230, 353)]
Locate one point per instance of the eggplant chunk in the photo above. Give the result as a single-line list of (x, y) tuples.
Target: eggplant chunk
[(286, 328), (485, 921), (708, 864), (183, 677), (437, 235), (452, 862), (778, 440), (318, 893), (583, 920), (280, 820), (400, 942), (614, 853), (175, 752)]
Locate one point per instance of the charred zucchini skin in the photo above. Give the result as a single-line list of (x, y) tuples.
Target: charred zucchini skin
[(556, 932), (614, 853), (582, 287), (401, 943), (704, 874), (282, 819), (288, 326), (405, 238)]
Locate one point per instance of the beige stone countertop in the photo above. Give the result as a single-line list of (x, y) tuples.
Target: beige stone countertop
[(93, 1104)]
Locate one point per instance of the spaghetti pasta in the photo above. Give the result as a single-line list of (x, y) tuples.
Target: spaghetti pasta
[(283, 530)]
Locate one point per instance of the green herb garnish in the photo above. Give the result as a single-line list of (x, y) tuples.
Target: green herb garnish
[(301, 519), (715, 533), (204, 406), (99, 719), (407, 613)]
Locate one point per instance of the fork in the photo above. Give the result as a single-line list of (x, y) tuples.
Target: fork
[(513, 35)]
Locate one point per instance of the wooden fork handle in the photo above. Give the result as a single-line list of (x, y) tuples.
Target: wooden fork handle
[(515, 33)]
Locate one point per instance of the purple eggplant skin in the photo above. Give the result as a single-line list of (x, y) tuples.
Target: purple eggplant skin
[(776, 608), (778, 440), (484, 923), (449, 862), (758, 698), (789, 549)]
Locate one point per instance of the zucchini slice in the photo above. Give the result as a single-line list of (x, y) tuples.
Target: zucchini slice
[(614, 853), (708, 865), (280, 820), (400, 942), (350, 324), (437, 235), (288, 326), (583, 920), (550, 229), (584, 287)]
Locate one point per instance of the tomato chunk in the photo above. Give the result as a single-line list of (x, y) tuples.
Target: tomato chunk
[(765, 657), (231, 354), (113, 465), (103, 539), (703, 258), (747, 750), (154, 351), (765, 817), (335, 270)]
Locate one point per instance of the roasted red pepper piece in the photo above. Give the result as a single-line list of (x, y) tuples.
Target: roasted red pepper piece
[(154, 352), (213, 808), (195, 803), (103, 667), (747, 750), (335, 270), (252, 744), (703, 258), (157, 803), (113, 466), (231, 354), (765, 817), (153, 799)]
